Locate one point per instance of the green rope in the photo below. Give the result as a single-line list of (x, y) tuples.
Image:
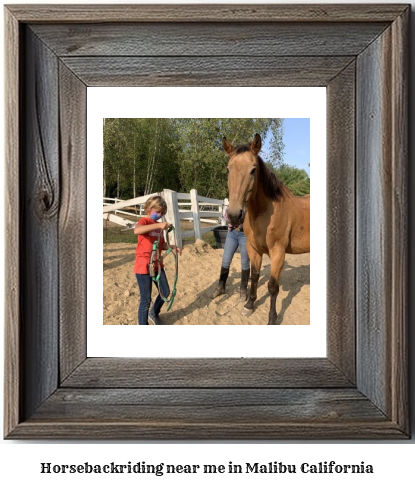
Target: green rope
[(155, 255)]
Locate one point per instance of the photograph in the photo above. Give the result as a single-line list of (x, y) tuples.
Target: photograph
[(206, 221), (237, 368)]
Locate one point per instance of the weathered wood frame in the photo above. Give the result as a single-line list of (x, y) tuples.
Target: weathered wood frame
[(359, 52)]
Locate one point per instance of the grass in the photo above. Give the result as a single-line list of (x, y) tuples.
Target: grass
[(114, 233)]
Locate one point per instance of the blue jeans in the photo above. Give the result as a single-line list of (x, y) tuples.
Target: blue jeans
[(233, 240), (145, 283)]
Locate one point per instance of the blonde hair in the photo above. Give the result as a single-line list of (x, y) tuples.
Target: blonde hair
[(157, 203)]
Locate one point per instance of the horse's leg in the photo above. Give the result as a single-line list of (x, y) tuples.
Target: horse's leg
[(256, 261), (277, 262)]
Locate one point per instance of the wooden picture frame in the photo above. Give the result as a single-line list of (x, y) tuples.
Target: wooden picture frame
[(360, 53)]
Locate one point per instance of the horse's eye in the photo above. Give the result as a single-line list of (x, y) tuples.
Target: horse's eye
[(253, 171), (227, 170)]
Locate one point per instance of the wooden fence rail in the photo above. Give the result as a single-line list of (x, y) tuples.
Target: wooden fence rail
[(180, 206)]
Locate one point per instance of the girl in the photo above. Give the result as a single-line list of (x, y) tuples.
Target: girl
[(148, 231)]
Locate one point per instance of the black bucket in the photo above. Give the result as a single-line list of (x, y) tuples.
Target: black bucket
[(220, 234)]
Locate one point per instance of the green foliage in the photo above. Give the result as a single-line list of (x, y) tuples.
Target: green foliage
[(297, 180), (142, 156)]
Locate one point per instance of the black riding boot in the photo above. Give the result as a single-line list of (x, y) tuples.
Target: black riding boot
[(220, 289), (243, 292)]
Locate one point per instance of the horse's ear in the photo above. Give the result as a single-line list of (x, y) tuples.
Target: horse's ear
[(256, 144), (227, 146)]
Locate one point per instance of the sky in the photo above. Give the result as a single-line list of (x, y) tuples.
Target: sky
[(296, 138)]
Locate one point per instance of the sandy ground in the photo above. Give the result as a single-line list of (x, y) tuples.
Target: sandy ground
[(199, 268)]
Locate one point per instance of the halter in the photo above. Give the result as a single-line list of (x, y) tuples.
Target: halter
[(155, 257)]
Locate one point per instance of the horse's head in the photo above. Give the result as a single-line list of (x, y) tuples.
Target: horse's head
[(242, 169)]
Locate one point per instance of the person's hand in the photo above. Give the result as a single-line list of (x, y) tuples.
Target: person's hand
[(177, 249), (164, 225)]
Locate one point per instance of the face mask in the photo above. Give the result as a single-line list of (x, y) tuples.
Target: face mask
[(155, 216)]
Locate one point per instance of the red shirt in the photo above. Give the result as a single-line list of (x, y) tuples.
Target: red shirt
[(145, 246)]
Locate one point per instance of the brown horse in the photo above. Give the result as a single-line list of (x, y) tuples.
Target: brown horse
[(275, 221)]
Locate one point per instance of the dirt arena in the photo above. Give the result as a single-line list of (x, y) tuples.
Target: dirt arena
[(199, 268)]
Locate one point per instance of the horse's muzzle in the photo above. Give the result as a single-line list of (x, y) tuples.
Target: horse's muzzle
[(236, 217)]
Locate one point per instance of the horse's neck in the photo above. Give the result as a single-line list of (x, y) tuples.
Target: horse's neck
[(259, 202)]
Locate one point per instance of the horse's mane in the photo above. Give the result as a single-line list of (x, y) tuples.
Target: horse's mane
[(272, 186)]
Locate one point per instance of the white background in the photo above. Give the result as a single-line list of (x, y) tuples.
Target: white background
[(392, 461), (208, 340)]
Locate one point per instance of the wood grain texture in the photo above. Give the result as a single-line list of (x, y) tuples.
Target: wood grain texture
[(341, 232), (40, 178), (13, 383), (72, 222), (213, 431), (207, 13), (209, 405), (207, 71), (206, 373), (232, 39), (400, 233), (373, 291), (52, 390), (382, 222)]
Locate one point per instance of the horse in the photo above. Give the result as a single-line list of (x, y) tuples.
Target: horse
[(274, 220)]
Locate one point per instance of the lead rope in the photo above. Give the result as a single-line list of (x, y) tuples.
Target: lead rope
[(156, 258)]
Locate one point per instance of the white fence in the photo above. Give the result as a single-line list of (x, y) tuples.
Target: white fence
[(180, 206)]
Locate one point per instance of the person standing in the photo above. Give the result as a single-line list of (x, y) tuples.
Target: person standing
[(234, 238), (148, 230)]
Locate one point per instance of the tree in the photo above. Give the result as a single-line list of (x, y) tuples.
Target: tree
[(139, 156), (202, 163), (142, 156), (296, 180)]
